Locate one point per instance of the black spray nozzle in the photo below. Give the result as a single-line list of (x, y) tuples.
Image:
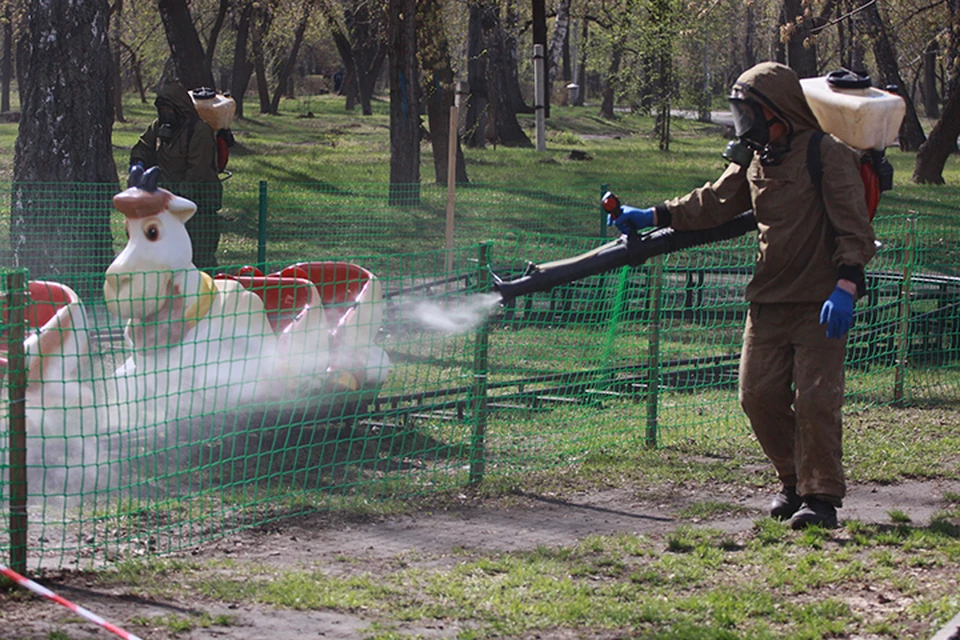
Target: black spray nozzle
[(632, 252)]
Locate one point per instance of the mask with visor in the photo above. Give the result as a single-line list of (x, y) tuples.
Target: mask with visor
[(752, 128), (169, 119)]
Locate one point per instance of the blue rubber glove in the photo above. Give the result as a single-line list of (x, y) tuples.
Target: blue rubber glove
[(632, 219), (837, 313)]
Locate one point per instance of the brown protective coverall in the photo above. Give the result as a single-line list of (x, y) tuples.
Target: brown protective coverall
[(791, 374), (188, 167)]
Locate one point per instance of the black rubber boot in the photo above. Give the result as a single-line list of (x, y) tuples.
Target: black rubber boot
[(814, 512), (785, 504)]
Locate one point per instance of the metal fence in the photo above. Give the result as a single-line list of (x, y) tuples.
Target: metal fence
[(114, 447)]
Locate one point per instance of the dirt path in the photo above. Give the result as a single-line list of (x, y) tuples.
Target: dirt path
[(427, 539)]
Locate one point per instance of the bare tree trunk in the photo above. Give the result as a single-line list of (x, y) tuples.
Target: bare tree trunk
[(404, 104), (477, 61), (911, 133), (64, 137), (581, 78), (215, 35), (361, 50), (931, 101), (242, 67), (439, 95), (6, 68), (951, 56), (185, 48), (513, 96), (506, 129), (750, 37), (559, 37), (607, 100), (115, 12), (801, 50), (936, 149), (137, 71), (287, 69), (261, 25)]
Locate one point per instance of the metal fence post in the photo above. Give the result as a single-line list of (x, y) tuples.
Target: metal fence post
[(17, 385), (479, 391), (262, 226), (903, 336), (653, 351)]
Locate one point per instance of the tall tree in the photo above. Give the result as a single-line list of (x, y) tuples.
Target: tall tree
[(287, 69), (942, 142), (439, 90), (115, 47), (477, 63), (404, 104), (911, 132), (242, 66), (557, 41), (795, 32), (56, 228), (188, 55), (6, 65), (360, 40), (937, 148)]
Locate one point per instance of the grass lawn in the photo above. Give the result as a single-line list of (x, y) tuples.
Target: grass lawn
[(887, 577)]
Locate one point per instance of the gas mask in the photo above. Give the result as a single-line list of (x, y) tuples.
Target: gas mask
[(752, 128), (168, 118)]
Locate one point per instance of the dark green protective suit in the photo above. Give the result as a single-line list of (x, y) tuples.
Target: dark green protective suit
[(188, 167), (791, 374)]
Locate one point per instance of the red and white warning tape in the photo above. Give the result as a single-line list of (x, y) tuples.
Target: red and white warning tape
[(26, 583)]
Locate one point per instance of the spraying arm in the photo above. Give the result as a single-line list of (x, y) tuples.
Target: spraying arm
[(633, 251)]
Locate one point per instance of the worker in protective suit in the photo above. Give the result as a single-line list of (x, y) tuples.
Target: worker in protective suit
[(813, 247), (185, 149)]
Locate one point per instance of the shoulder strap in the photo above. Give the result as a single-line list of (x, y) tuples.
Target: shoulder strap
[(814, 162)]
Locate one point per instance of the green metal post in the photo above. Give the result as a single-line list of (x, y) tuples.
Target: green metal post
[(653, 353), (479, 391), (903, 337), (17, 382), (262, 226)]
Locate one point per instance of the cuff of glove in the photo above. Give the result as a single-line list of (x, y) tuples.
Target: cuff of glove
[(664, 219), (855, 275)]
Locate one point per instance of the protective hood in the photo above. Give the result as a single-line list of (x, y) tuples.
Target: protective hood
[(777, 87), (175, 94)]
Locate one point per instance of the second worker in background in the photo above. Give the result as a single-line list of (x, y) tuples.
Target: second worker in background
[(185, 149)]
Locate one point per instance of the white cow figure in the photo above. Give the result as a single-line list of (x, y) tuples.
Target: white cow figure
[(198, 345)]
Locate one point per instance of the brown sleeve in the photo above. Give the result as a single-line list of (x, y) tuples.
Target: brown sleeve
[(712, 204)]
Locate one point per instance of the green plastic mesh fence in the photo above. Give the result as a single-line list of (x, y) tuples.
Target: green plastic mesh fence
[(348, 358)]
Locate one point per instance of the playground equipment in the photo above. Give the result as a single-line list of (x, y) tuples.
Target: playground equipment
[(351, 299)]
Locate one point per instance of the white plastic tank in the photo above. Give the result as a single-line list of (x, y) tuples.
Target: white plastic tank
[(216, 109), (864, 117)]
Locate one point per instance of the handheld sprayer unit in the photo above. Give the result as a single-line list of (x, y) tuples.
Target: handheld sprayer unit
[(633, 250)]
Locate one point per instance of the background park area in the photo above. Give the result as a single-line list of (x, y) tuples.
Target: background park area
[(575, 465), (604, 538)]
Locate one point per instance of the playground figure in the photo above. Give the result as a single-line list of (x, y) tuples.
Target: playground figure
[(192, 333), (813, 247), (185, 149)]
